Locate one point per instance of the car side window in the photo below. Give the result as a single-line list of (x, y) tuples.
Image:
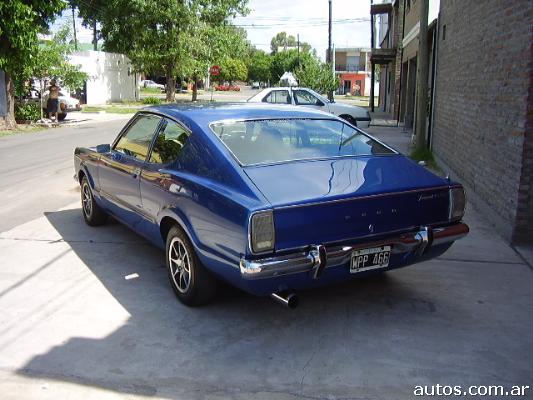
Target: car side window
[(136, 141), (168, 143), (304, 98), (278, 97)]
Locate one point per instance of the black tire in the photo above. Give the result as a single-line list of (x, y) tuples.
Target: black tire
[(201, 285), (350, 119), (92, 213)]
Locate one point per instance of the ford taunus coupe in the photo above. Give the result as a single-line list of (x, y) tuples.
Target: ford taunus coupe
[(272, 199)]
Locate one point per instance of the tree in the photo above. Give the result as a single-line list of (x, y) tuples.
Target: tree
[(51, 61), (286, 42), (317, 76), (233, 70), (91, 12), (20, 22), (259, 64), (287, 61), (169, 36)]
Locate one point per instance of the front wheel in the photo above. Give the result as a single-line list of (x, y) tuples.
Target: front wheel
[(92, 213), (191, 282)]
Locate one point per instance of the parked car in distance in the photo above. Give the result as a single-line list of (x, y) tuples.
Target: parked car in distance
[(256, 85), (357, 116), (151, 84), (272, 199), (66, 104), (227, 88)]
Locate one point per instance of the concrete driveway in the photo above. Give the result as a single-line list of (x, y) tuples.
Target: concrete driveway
[(89, 313)]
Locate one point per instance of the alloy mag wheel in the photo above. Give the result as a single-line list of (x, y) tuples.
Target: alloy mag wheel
[(180, 265), (191, 282), (92, 213), (86, 199)]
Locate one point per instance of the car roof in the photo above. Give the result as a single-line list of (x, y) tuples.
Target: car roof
[(204, 114)]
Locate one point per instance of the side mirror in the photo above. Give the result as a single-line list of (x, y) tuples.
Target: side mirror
[(319, 103), (103, 148)]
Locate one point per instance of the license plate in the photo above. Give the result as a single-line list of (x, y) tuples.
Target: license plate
[(367, 259)]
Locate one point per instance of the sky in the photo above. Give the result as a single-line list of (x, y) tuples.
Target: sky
[(309, 18)]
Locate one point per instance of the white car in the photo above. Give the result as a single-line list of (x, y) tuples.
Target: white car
[(151, 84), (305, 97), (66, 104)]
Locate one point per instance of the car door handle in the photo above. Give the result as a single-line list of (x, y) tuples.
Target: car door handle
[(136, 172)]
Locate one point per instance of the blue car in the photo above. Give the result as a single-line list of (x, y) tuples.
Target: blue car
[(272, 199)]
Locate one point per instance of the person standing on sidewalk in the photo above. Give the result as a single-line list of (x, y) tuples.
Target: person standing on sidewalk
[(52, 105)]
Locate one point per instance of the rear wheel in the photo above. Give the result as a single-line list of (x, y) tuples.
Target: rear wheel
[(190, 280), (92, 212)]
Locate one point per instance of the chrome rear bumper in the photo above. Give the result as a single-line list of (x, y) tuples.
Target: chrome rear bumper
[(319, 257)]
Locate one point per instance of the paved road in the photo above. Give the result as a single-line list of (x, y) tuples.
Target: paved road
[(72, 326), (35, 169)]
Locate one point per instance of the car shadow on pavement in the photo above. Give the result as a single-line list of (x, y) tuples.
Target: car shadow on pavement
[(237, 346)]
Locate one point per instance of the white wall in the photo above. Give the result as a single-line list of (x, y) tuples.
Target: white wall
[(110, 76)]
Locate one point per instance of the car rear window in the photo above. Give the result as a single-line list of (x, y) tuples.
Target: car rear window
[(276, 140)]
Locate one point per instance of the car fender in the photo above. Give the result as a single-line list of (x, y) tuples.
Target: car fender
[(83, 169), (353, 111), (183, 222)]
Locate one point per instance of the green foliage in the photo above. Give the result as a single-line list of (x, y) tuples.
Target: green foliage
[(27, 112), (259, 64), (425, 155), (286, 42), (20, 22), (52, 62), (317, 75), (288, 61), (174, 38), (232, 69), (90, 11), (113, 109), (150, 90), (151, 100)]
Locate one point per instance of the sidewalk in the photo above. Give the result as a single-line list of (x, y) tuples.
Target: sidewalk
[(400, 139), (394, 136)]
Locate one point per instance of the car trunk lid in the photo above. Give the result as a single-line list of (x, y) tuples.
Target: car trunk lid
[(325, 201)]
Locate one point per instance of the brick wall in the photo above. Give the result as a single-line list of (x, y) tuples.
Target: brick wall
[(481, 106), (524, 213)]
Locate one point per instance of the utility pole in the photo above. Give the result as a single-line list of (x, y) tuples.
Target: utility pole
[(74, 28), (372, 69), (95, 39), (422, 77), (298, 42), (328, 58)]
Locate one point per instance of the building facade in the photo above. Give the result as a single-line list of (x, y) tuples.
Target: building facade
[(351, 67), (395, 35), (386, 35), (483, 108), (110, 77)]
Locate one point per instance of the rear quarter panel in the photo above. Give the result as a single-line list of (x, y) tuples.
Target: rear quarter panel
[(211, 198)]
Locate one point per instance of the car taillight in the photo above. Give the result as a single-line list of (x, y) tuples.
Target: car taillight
[(262, 235), (457, 203)]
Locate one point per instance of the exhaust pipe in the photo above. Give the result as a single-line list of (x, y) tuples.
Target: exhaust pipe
[(290, 301)]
